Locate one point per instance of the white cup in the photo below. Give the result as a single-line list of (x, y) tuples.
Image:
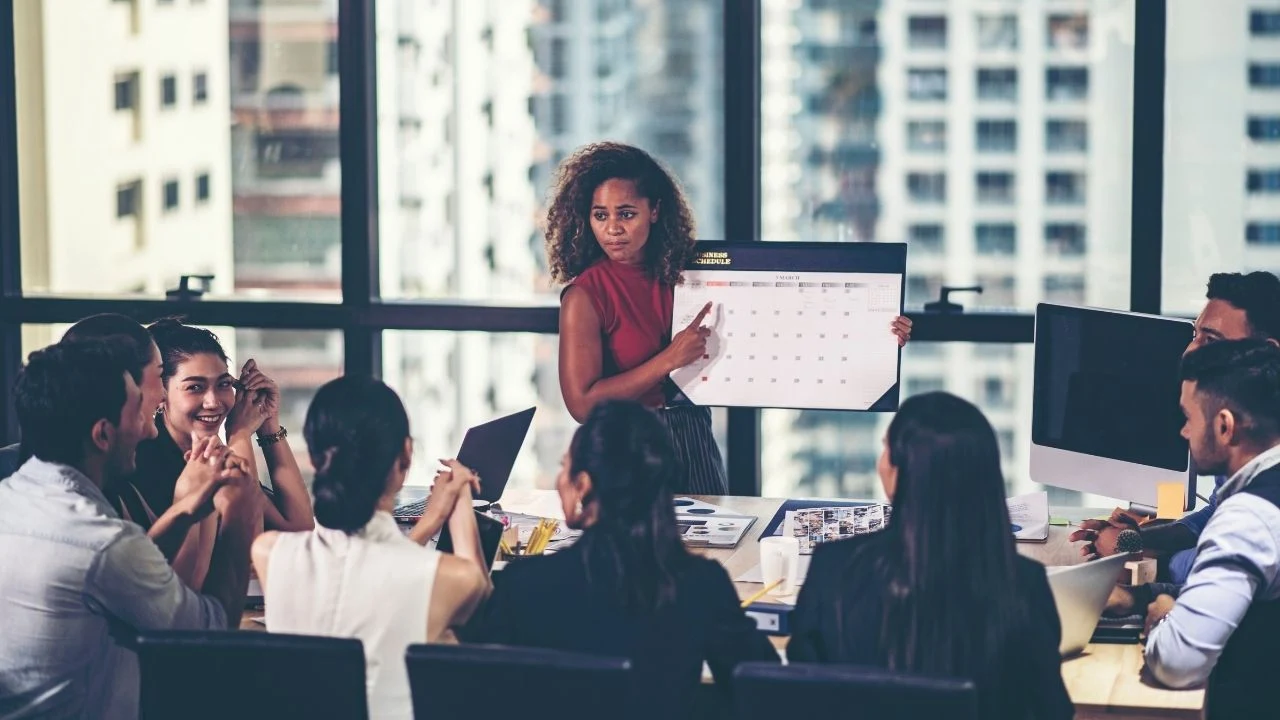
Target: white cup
[(780, 560)]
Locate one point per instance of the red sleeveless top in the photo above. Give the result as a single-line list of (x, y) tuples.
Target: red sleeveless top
[(635, 317)]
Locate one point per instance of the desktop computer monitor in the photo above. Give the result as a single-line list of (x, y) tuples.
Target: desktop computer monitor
[(1105, 414)]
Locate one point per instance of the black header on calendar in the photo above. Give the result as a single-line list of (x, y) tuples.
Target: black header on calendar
[(863, 257)]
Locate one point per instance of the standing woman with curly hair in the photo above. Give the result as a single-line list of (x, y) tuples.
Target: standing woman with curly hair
[(619, 233)]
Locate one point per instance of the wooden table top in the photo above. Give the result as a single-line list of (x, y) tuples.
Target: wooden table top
[(1104, 680)]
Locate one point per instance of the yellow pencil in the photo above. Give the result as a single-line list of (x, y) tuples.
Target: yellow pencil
[(767, 588)]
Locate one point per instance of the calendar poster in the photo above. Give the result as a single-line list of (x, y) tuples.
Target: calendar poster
[(794, 325)]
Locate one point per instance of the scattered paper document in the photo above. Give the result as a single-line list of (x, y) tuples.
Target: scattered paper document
[(815, 526), (1029, 515)]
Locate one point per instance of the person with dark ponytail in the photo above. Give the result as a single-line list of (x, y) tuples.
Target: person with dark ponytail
[(627, 587), (942, 590), (356, 575)]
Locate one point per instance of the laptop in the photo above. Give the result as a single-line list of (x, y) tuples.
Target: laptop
[(1081, 592), (490, 450)]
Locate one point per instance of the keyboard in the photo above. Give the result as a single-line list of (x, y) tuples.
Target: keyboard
[(1123, 630), (410, 511)]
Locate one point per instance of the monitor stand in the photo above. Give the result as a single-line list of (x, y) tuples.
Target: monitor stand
[(1140, 509)]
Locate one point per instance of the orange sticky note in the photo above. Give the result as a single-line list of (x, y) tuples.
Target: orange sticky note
[(1169, 500)]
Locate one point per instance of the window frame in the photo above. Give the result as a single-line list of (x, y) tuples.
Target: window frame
[(362, 315), (168, 100)]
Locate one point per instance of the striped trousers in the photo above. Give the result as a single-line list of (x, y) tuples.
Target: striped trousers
[(701, 466)]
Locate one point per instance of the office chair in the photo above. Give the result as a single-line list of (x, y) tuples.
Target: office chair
[(766, 691), (459, 681), (231, 674)]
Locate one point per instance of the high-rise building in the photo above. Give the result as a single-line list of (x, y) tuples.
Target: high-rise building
[(992, 138), (286, 182), (1222, 168), (127, 167)]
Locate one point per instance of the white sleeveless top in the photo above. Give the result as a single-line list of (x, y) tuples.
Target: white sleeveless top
[(374, 585)]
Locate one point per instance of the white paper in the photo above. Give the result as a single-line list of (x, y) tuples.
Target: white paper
[(1030, 516), (704, 524), (816, 340)]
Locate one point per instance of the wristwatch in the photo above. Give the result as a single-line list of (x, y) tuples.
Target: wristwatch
[(272, 438), (1128, 541)]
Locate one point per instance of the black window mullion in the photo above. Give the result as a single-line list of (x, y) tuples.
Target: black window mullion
[(1147, 223), (358, 139), (742, 200), (10, 248)]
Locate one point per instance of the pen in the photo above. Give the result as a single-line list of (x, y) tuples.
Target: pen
[(767, 588)]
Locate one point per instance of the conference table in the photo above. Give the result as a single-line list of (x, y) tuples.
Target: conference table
[(1105, 680)]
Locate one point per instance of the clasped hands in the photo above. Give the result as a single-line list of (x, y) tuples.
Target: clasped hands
[(213, 479)]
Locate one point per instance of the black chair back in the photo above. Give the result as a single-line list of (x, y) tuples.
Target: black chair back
[(237, 674), (459, 681), (765, 691)]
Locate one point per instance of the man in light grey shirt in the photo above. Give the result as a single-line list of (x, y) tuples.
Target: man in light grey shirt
[(76, 581), (1222, 627)]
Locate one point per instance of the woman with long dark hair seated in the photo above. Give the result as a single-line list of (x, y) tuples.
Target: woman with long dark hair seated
[(627, 587), (356, 575), (942, 590)]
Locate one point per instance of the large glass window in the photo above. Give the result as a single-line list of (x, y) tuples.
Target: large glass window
[(1222, 122), (1013, 206), (451, 381), (520, 91), (478, 103), (240, 93), (833, 454)]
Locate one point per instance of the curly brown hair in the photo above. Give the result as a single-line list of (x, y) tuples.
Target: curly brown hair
[(572, 246)]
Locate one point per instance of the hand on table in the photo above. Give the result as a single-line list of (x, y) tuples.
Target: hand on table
[(1157, 611), (1120, 603)]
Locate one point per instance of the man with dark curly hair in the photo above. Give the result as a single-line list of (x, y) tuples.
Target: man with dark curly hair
[(619, 233)]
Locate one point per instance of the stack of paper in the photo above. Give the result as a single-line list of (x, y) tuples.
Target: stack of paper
[(1029, 515)]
